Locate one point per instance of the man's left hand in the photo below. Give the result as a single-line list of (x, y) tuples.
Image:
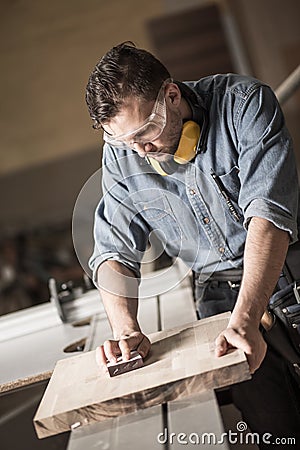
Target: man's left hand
[(248, 339)]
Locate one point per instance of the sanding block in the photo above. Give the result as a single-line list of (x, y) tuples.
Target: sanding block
[(122, 366)]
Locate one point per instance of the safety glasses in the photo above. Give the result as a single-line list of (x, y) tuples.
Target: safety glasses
[(150, 130)]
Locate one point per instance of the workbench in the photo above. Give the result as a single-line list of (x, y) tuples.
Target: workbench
[(37, 337)]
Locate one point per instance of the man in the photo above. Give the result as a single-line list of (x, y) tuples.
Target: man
[(209, 166)]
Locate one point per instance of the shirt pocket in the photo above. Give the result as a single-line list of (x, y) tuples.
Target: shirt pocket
[(230, 181), (158, 213)]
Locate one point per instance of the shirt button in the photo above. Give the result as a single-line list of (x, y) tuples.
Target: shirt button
[(206, 220), (221, 249), (192, 191)]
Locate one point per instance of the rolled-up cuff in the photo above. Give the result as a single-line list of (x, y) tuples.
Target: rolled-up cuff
[(267, 210), (116, 257)]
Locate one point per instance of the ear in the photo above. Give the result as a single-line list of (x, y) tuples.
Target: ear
[(173, 94)]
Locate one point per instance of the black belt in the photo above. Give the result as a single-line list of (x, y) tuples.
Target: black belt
[(232, 277)]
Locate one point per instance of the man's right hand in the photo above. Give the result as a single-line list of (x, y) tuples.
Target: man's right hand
[(111, 349)]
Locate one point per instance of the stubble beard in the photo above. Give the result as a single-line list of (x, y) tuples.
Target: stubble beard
[(166, 152)]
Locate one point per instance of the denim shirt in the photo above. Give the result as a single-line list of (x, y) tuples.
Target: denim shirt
[(201, 212)]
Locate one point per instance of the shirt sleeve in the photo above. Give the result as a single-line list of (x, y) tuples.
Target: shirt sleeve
[(268, 175), (120, 233)]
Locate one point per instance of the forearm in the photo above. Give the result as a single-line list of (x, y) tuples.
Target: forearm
[(265, 252), (264, 255), (119, 292)]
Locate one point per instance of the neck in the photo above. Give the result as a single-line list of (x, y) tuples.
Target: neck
[(185, 109)]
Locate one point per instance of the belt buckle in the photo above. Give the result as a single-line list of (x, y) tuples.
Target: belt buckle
[(233, 285)]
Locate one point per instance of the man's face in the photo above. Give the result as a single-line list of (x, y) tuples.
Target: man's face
[(149, 127)]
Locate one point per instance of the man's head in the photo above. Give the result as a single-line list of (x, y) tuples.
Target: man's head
[(124, 72), (131, 96)]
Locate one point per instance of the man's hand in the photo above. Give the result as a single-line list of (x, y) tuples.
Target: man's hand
[(113, 348), (121, 307), (265, 251), (247, 338)]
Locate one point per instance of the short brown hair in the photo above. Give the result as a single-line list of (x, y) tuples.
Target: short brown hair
[(122, 72)]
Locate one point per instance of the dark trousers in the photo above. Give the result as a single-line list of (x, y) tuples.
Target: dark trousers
[(270, 401)]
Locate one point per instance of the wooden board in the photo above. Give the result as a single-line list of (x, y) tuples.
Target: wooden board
[(181, 363)]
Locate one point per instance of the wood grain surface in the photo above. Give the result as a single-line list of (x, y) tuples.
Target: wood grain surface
[(181, 363)]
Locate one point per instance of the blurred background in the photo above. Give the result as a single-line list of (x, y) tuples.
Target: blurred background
[(48, 148)]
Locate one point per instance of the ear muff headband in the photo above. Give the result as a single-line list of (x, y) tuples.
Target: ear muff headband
[(156, 166)]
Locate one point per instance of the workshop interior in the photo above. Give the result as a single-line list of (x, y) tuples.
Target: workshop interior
[(49, 307)]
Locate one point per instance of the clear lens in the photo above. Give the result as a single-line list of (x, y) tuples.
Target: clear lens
[(148, 133), (151, 128)]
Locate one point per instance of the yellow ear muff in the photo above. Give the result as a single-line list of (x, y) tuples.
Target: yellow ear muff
[(186, 150), (187, 146)]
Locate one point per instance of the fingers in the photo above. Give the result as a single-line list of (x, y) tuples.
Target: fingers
[(231, 339), (144, 347), (221, 345), (125, 347), (108, 351), (254, 347), (101, 358), (111, 349), (141, 343)]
